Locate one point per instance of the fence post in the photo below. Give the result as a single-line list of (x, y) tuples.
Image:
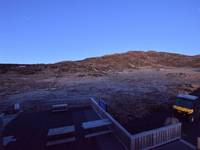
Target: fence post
[(132, 145), (1, 131), (198, 143)]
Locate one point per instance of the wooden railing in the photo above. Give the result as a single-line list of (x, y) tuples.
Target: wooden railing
[(142, 141), (123, 135), (153, 138)]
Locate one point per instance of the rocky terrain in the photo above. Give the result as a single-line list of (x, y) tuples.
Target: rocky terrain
[(134, 84)]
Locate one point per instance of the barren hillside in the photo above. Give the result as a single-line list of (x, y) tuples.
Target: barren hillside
[(115, 62), (133, 83)]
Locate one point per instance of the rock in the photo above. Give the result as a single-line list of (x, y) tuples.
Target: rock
[(171, 120)]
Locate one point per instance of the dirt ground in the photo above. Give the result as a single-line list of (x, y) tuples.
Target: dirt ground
[(132, 95)]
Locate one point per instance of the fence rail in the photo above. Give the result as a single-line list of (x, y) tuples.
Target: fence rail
[(157, 137), (119, 130), (142, 141)]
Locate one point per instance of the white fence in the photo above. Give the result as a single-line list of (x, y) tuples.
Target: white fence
[(153, 138), (120, 132), (142, 141)]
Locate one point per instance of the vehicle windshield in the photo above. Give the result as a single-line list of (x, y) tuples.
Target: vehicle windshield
[(184, 103)]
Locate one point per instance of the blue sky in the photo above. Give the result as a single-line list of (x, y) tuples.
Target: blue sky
[(48, 31)]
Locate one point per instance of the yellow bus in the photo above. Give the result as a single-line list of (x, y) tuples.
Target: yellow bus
[(188, 106)]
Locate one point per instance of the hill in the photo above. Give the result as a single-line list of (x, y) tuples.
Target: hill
[(104, 64)]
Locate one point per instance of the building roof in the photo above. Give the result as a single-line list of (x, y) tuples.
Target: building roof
[(187, 96)]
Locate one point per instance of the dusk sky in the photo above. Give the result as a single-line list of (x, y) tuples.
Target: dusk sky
[(48, 31)]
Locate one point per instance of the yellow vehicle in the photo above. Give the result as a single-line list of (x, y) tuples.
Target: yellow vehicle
[(188, 106)]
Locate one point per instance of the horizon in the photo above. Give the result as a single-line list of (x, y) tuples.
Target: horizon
[(36, 32), (101, 56)]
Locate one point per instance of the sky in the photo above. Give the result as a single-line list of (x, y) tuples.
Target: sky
[(48, 31)]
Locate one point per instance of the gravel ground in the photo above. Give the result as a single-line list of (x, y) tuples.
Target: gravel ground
[(131, 94)]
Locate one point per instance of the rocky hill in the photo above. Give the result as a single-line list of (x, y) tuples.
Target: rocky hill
[(134, 59), (115, 62)]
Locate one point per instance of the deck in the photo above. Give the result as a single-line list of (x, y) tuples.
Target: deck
[(31, 131), (176, 145)]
